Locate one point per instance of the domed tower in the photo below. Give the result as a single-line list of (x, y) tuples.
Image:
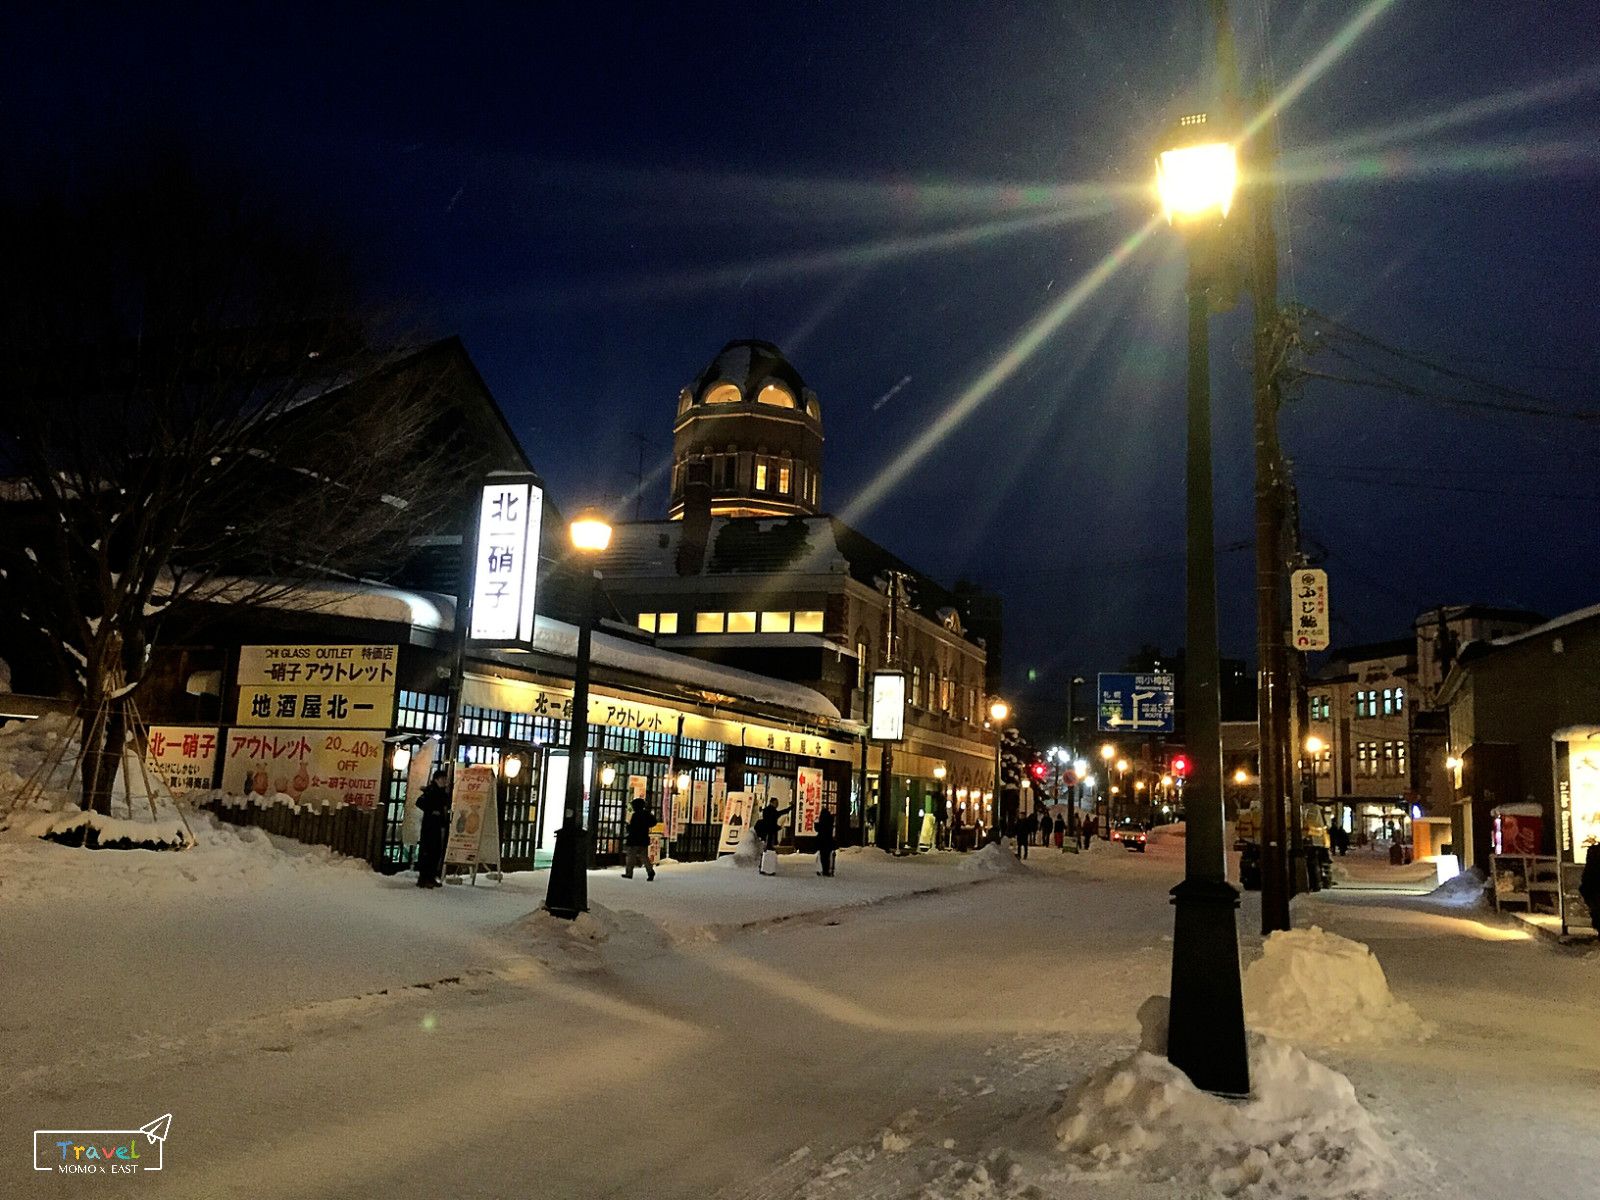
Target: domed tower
[(751, 424)]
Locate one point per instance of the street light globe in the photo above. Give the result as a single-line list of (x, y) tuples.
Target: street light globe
[(1138, 785), (999, 710), (1197, 176), (939, 772), (1166, 781), (1108, 751), (1081, 767), (683, 781), (402, 757), (1241, 776), (512, 767), (608, 776), (1314, 744), (1450, 764), (1122, 764), (590, 531)]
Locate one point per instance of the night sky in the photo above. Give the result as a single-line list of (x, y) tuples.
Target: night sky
[(597, 197)]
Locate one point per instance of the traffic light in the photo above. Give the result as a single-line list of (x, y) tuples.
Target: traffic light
[(1039, 770), (1180, 766)]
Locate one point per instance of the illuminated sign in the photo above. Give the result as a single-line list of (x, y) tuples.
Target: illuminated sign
[(505, 571), (888, 706), (1308, 609)]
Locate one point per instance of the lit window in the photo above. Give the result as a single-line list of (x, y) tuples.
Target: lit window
[(783, 481), (1388, 702), (761, 476), (861, 664), (709, 622), (724, 393), (774, 394), (741, 622), (809, 621), (916, 687), (775, 622), (647, 622), (667, 623), (1399, 700)]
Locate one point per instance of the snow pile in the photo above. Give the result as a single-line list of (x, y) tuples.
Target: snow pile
[(25, 746), (993, 859), (1470, 889), (1313, 986), (1302, 1133), (601, 936)]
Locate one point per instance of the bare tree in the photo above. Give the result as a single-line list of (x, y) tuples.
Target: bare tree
[(188, 396)]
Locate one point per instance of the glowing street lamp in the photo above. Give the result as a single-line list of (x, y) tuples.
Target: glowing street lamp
[(1196, 173), (999, 710), (568, 893)]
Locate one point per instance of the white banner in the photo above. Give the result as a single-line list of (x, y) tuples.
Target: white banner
[(738, 816), (183, 758), (808, 795)]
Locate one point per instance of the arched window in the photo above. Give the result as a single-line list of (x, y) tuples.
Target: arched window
[(777, 394), (685, 399), (916, 687), (724, 393)]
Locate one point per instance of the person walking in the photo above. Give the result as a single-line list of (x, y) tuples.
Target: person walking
[(1060, 830), (1589, 885), (434, 805), (636, 853), (1025, 827), (825, 842)]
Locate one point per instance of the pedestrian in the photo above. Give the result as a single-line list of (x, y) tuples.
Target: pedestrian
[(434, 805), (1025, 828), (1589, 885), (825, 842), (1061, 833), (637, 851), (767, 834)]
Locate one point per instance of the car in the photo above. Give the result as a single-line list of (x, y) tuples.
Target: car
[(1132, 834)]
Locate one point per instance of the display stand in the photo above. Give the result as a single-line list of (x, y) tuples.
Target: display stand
[(1530, 880), (474, 824)]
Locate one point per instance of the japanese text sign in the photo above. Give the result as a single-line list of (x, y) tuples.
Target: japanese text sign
[(183, 758), (1308, 609), (305, 766), (506, 570), (888, 706), (341, 687)]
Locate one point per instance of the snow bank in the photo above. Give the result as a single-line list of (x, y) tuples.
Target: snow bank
[(1470, 889), (1312, 986), (1302, 1133), (994, 859), (601, 936)]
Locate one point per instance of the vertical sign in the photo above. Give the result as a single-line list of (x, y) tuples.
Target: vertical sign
[(888, 706), (808, 792), (505, 573), (700, 801), (1309, 606)]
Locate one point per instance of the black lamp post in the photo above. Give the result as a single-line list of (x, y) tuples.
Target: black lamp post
[(568, 893), (1205, 1032), (999, 710)]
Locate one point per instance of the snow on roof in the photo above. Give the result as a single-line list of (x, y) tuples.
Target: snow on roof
[(561, 639), (1571, 618)]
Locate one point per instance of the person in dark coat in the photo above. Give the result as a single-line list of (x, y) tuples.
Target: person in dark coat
[(1589, 885), (1060, 830), (1025, 827), (636, 853), (825, 842), (434, 805)]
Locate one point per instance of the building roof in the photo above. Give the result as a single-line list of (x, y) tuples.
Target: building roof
[(1474, 651), (1458, 612), (1339, 661)]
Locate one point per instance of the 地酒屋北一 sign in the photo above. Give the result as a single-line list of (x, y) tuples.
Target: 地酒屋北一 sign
[(331, 687), (1309, 625)]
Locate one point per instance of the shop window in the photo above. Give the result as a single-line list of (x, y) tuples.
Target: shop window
[(709, 622), (741, 622), (724, 393), (667, 622), (808, 621), (775, 622)]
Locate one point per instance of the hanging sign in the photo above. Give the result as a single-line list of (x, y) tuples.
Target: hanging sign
[(474, 828), (700, 802), (506, 570), (1308, 607), (888, 706)]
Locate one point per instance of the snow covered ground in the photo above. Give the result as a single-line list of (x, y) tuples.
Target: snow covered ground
[(938, 1027)]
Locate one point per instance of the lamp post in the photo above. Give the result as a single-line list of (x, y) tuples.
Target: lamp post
[(568, 892), (1107, 753), (1122, 789), (941, 813), (999, 710), (1196, 175)]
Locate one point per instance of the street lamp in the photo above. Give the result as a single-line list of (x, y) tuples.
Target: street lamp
[(999, 710), (568, 893), (1196, 173), (1107, 753), (940, 812)]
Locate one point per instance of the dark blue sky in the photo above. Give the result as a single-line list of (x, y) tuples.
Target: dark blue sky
[(597, 197)]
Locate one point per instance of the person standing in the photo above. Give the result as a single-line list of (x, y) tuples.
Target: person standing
[(1589, 885), (434, 805), (1060, 830), (825, 842), (636, 853)]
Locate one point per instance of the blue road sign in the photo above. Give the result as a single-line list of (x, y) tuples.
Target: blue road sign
[(1136, 703)]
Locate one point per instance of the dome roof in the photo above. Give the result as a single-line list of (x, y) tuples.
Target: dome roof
[(752, 367)]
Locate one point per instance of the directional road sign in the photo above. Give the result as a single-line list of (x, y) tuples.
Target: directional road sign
[(1136, 703)]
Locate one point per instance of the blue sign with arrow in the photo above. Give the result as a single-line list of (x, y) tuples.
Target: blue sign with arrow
[(1136, 703)]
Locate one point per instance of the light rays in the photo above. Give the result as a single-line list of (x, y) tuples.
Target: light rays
[(1319, 63), (1003, 367)]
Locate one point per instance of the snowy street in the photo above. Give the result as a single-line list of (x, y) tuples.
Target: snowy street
[(912, 1028)]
